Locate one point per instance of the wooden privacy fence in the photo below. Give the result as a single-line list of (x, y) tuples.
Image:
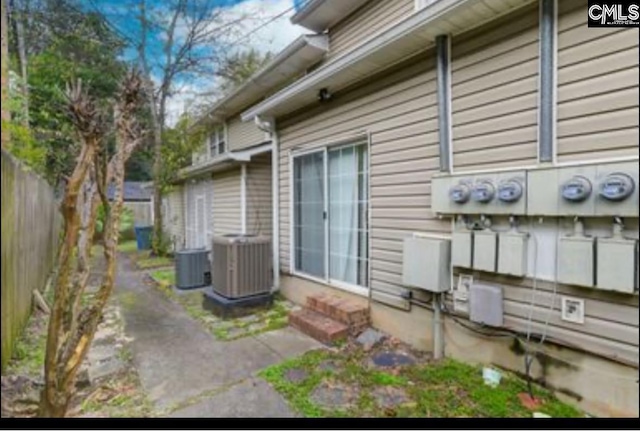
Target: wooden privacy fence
[(31, 225)]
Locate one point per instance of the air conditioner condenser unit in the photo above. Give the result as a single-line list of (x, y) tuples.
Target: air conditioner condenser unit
[(193, 269), (242, 266)]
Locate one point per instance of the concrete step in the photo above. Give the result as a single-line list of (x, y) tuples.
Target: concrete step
[(318, 326), (350, 313)]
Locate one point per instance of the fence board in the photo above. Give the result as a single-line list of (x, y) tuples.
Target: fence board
[(31, 225)]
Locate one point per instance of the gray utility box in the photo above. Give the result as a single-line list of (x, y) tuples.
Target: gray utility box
[(545, 188), (617, 264), (513, 253), (426, 263), (462, 248), (576, 260), (193, 269), (485, 250), (486, 305)]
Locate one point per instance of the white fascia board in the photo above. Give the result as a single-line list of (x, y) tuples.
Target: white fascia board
[(308, 48), (423, 24), (318, 15)]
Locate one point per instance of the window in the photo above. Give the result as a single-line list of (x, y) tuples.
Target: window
[(331, 225), (217, 144)]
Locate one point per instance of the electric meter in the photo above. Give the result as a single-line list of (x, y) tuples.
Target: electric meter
[(617, 187), (577, 189), (483, 192), (510, 190), (460, 193)]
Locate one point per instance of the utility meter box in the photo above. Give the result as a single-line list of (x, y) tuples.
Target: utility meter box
[(485, 251), (577, 194), (617, 264), (576, 261), (440, 201), (542, 192), (513, 253), (617, 190), (486, 305), (426, 263), (511, 193), (462, 248)]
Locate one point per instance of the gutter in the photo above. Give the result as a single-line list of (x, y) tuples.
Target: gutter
[(306, 10), (421, 18), (320, 41), (228, 159), (269, 126), (424, 25)]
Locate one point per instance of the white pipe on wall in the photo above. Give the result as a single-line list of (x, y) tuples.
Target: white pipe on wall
[(243, 199), (275, 201)]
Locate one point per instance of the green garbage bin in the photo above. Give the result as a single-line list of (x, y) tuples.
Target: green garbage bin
[(143, 237)]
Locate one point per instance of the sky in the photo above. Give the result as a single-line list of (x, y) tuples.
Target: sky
[(261, 32)]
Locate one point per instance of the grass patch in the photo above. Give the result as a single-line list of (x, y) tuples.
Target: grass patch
[(447, 389), (154, 262), (30, 349), (261, 321), (298, 394), (128, 247), (164, 277)]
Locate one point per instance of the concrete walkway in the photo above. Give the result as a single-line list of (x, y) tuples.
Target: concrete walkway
[(186, 371)]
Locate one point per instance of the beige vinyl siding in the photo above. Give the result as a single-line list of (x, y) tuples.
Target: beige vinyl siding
[(611, 321), (365, 23), (174, 217), (598, 80), (243, 135), (259, 205), (495, 116), (399, 111), (227, 202), (495, 93)]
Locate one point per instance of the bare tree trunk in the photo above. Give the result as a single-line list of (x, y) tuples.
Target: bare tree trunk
[(72, 327), (158, 229), (6, 116)]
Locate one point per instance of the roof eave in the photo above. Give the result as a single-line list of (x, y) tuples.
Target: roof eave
[(319, 44), (423, 26)]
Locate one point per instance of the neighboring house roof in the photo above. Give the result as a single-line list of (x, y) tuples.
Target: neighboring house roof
[(134, 191), (223, 162), (398, 42), (301, 54), (319, 15)]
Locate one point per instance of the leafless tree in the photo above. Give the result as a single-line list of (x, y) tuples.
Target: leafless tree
[(73, 322), (194, 35)]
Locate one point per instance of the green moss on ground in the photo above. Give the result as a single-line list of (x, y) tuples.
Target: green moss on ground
[(263, 320), (128, 247), (448, 389), (154, 262)]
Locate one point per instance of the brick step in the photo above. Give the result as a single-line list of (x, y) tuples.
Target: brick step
[(350, 313), (318, 326)]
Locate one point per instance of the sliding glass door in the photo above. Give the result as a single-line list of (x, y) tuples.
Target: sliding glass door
[(309, 214), (331, 223)]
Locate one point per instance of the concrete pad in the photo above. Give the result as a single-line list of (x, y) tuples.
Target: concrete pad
[(175, 356), (289, 342), (253, 398)]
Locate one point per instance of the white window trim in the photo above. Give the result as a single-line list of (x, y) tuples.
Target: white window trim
[(328, 281), (214, 134)]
